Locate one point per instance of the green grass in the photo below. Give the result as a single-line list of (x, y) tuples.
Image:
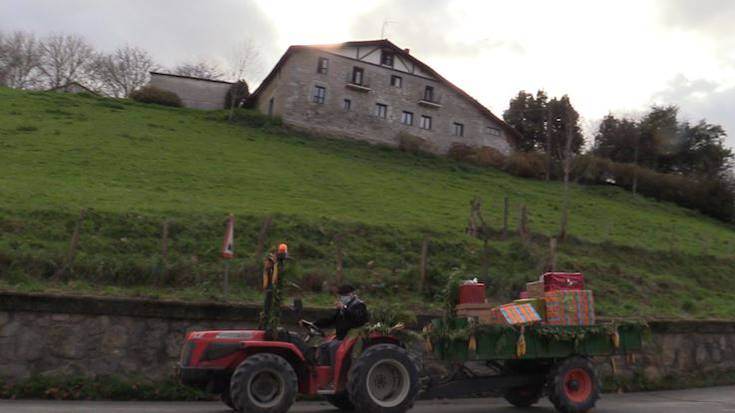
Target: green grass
[(136, 165)]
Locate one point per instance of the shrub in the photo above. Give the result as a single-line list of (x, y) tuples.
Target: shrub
[(526, 165), (238, 93), (461, 152), (411, 143), (151, 94)]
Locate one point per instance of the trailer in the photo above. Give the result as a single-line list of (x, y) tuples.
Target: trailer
[(528, 362)]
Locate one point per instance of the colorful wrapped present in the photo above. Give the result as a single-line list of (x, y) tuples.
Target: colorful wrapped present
[(555, 281), (535, 289), (570, 308), (539, 304), (515, 314)]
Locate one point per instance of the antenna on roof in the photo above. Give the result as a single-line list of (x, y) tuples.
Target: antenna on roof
[(382, 30)]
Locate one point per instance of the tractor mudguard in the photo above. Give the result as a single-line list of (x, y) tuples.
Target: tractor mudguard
[(250, 345)]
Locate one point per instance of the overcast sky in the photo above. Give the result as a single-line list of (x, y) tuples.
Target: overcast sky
[(609, 55)]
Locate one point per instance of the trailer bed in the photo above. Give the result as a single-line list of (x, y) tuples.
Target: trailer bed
[(453, 343)]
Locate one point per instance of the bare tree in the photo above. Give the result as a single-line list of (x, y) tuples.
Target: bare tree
[(201, 69), (64, 59), (19, 60), (245, 61), (122, 71)]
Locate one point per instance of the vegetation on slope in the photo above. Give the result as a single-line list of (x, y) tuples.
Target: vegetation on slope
[(135, 166)]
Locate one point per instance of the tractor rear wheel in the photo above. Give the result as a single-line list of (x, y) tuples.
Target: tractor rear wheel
[(573, 385), (226, 399), (263, 383), (383, 380), (341, 401)]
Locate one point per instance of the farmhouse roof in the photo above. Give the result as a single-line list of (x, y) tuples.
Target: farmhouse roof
[(190, 77), (404, 53)]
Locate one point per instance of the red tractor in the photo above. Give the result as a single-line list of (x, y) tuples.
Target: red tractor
[(254, 371)]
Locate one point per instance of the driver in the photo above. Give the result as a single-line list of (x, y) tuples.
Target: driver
[(350, 313)]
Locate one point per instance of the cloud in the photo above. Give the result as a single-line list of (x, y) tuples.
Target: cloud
[(428, 27), (713, 16), (701, 99), (710, 18), (171, 30)]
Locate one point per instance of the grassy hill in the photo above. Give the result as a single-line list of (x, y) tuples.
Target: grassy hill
[(137, 165)]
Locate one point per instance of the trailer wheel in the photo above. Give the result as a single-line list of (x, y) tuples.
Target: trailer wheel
[(341, 401), (263, 383), (383, 380), (525, 396), (573, 386)]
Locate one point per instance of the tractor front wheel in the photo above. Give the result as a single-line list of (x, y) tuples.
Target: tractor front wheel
[(573, 386), (383, 380), (263, 383)]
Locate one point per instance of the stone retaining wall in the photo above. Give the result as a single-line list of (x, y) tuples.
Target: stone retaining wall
[(59, 336)]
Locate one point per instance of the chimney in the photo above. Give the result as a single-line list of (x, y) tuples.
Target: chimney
[(408, 51)]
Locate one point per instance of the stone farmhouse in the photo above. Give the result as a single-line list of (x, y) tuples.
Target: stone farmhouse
[(375, 91)]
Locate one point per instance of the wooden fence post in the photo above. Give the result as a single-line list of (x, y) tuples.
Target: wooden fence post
[(505, 217), (523, 231), (422, 264), (262, 237), (73, 245), (552, 254), (339, 257), (164, 251)]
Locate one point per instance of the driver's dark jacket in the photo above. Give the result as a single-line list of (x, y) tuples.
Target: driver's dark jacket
[(353, 315)]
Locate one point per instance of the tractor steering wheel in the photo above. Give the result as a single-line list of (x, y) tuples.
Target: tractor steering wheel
[(312, 329)]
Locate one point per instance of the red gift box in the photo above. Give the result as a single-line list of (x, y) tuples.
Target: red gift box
[(563, 281), (472, 293)]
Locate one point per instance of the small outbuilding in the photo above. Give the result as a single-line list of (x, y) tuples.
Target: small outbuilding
[(195, 92)]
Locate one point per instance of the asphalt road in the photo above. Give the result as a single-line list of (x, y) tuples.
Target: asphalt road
[(710, 400)]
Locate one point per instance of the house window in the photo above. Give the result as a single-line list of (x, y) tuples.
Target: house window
[(320, 92), (429, 94), (347, 104), (270, 107), (458, 129), (407, 118), (493, 131), (322, 66), (386, 58), (357, 75), (381, 110), (425, 122), (396, 81)]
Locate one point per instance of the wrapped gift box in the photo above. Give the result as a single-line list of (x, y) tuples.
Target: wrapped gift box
[(539, 304), (570, 308), (555, 281), (485, 313), (535, 289), (516, 314)]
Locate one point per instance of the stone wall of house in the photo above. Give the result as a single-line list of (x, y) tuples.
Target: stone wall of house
[(57, 335), (194, 93), (293, 90)]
